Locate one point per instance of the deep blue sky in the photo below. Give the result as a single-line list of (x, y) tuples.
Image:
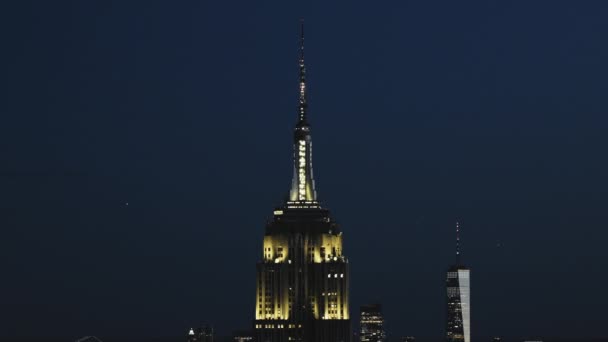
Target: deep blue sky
[(491, 112)]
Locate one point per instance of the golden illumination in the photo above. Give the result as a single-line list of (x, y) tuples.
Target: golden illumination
[(324, 250)]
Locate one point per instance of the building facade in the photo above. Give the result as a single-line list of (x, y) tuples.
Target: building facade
[(302, 284), (372, 324), (458, 286)]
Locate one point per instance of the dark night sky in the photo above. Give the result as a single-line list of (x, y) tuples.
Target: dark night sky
[(491, 112)]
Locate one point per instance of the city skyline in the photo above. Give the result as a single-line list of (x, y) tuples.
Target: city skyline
[(144, 144)]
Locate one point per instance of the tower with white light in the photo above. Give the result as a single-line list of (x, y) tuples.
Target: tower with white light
[(302, 278), (458, 286)]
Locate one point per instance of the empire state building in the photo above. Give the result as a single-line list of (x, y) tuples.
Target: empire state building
[(302, 278)]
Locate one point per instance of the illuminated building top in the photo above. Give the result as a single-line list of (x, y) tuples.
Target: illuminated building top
[(302, 292)]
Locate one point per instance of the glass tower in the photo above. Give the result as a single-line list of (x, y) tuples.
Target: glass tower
[(458, 309)]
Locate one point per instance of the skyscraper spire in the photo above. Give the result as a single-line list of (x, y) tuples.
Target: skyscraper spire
[(302, 101), (303, 184), (457, 243)]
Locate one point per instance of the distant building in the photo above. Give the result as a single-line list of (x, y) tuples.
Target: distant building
[(372, 324), (458, 322), (408, 339), (88, 339), (242, 336), (202, 334)]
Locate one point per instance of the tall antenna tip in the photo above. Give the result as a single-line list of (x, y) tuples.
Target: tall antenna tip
[(457, 242), (301, 40)]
